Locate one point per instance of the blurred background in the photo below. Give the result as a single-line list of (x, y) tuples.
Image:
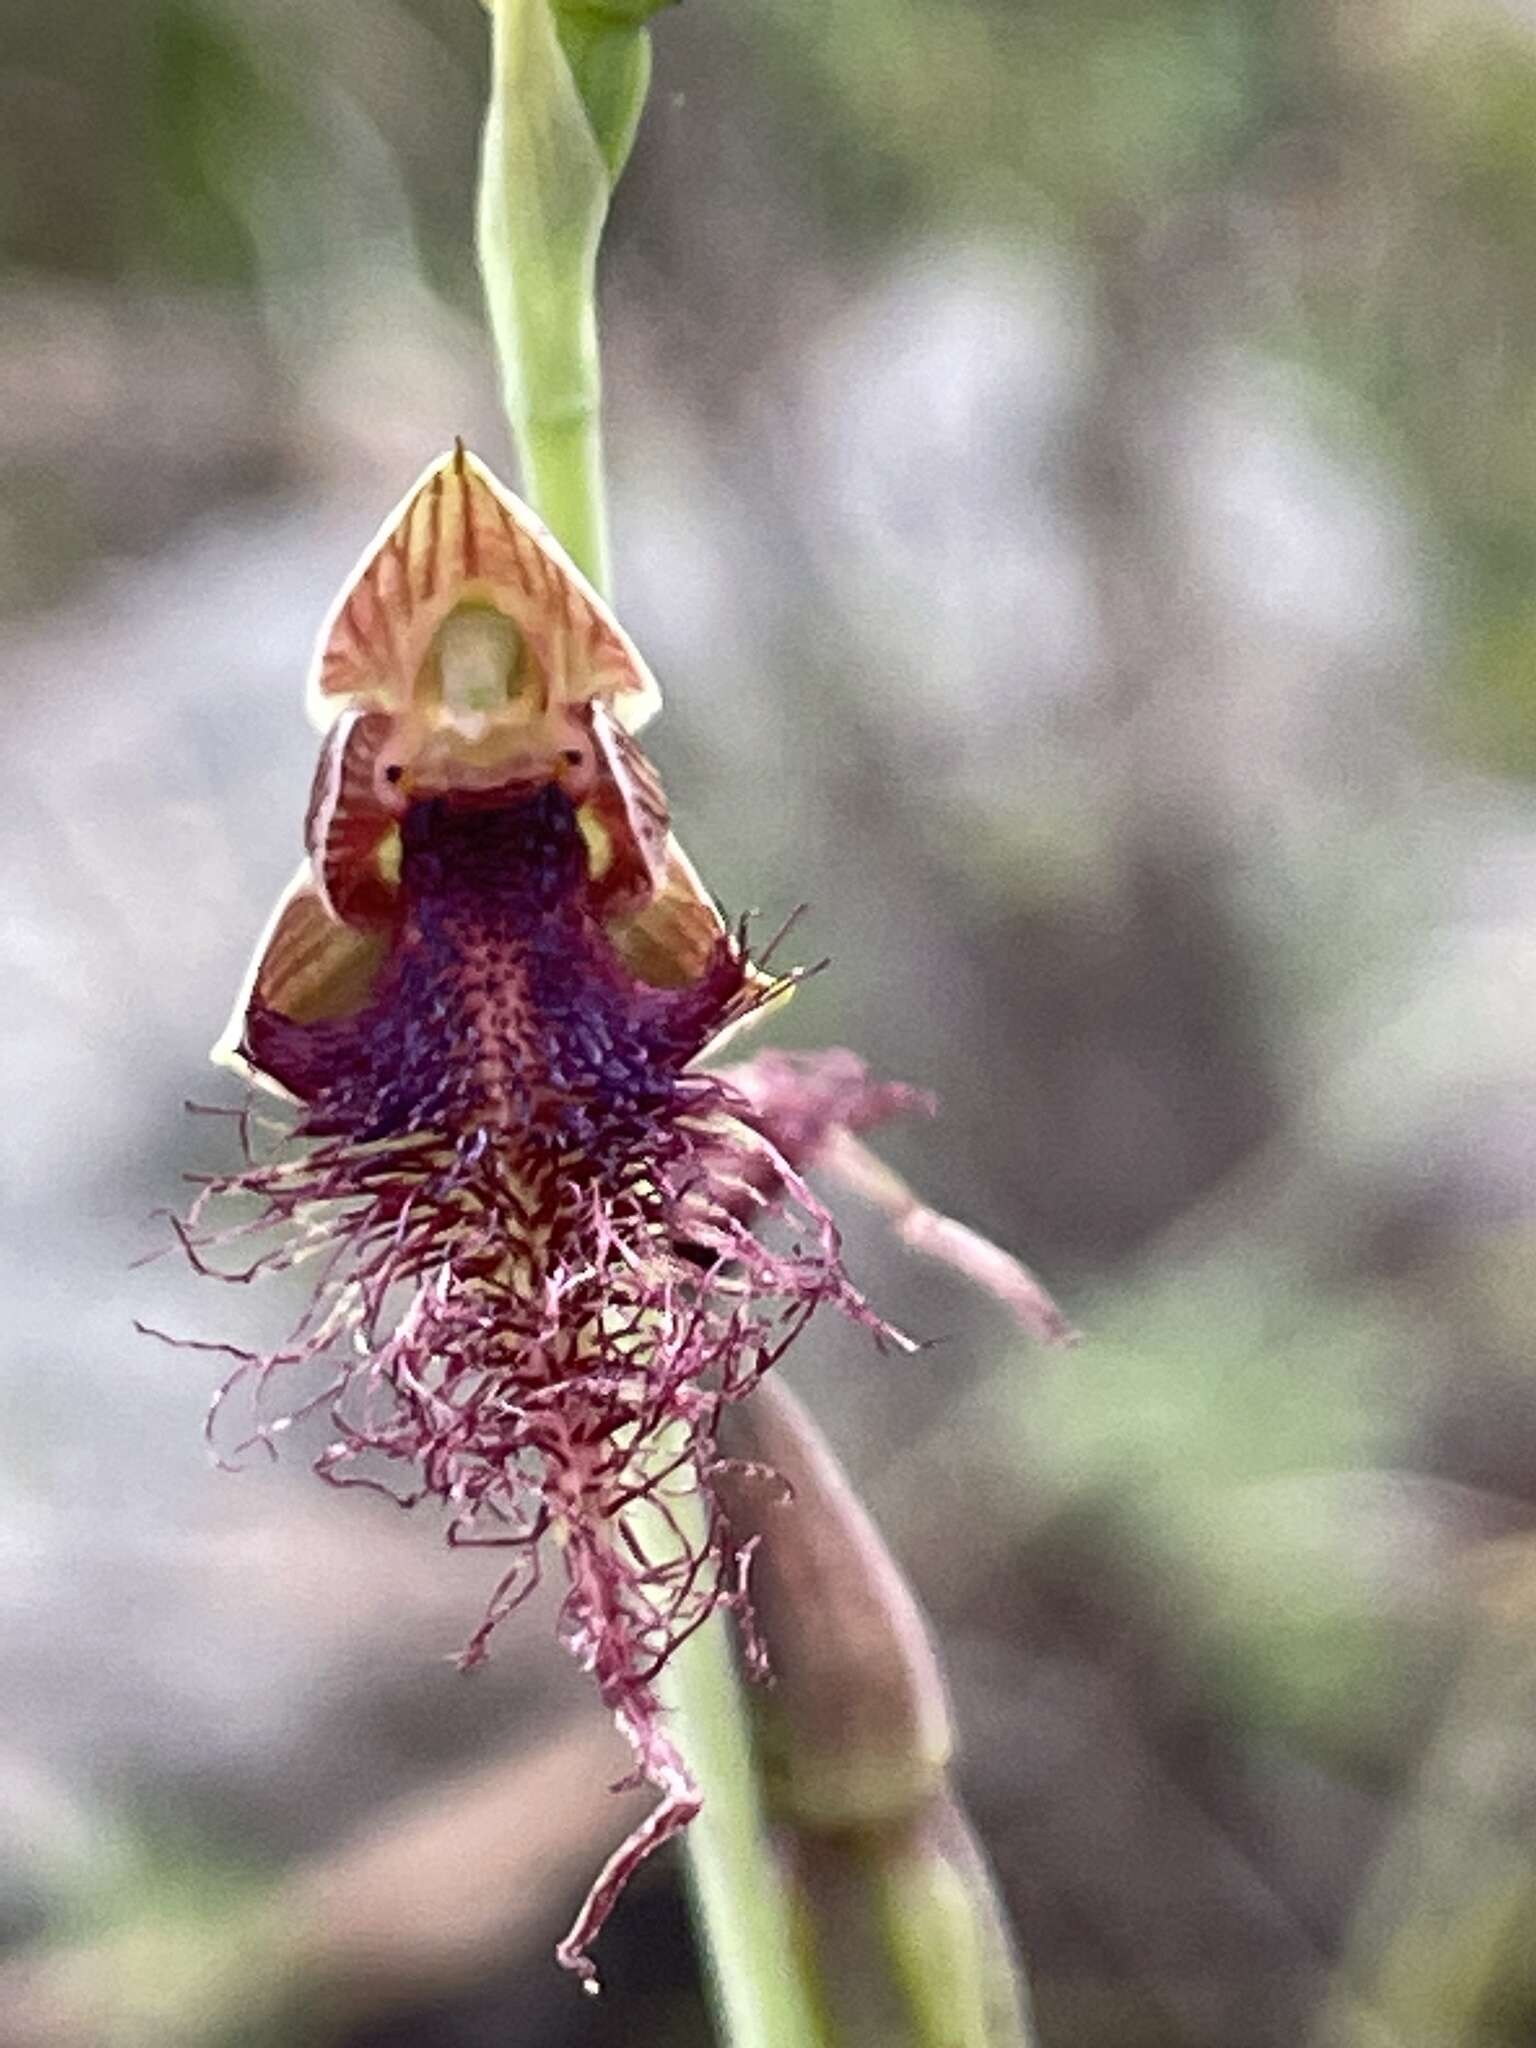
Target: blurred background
[(1075, 476)]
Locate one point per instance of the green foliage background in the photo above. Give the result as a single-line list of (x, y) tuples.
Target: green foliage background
[(1075, 473)]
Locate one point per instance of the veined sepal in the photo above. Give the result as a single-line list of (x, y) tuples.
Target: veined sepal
[(308, 965), (459, 537)]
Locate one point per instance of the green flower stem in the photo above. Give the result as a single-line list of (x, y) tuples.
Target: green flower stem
[(757, 1969), (545, 183), (566, 92)]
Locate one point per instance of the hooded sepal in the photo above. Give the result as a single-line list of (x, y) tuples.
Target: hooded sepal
[(459, 538)]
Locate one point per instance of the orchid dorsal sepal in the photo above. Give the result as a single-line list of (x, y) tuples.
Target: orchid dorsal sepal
[(460, 541)]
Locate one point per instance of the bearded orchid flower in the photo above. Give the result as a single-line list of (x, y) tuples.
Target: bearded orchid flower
[(550, 1252), (546, 1247)]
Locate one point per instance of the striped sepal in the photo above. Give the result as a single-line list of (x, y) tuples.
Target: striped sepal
[(460, 537)]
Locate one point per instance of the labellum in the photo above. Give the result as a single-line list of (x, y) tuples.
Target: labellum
[(546, 1248)]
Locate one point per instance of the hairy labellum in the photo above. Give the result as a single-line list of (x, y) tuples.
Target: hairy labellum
[(547, 1251)]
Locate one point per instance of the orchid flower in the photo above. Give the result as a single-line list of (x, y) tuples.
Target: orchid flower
[(546, 1246)]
